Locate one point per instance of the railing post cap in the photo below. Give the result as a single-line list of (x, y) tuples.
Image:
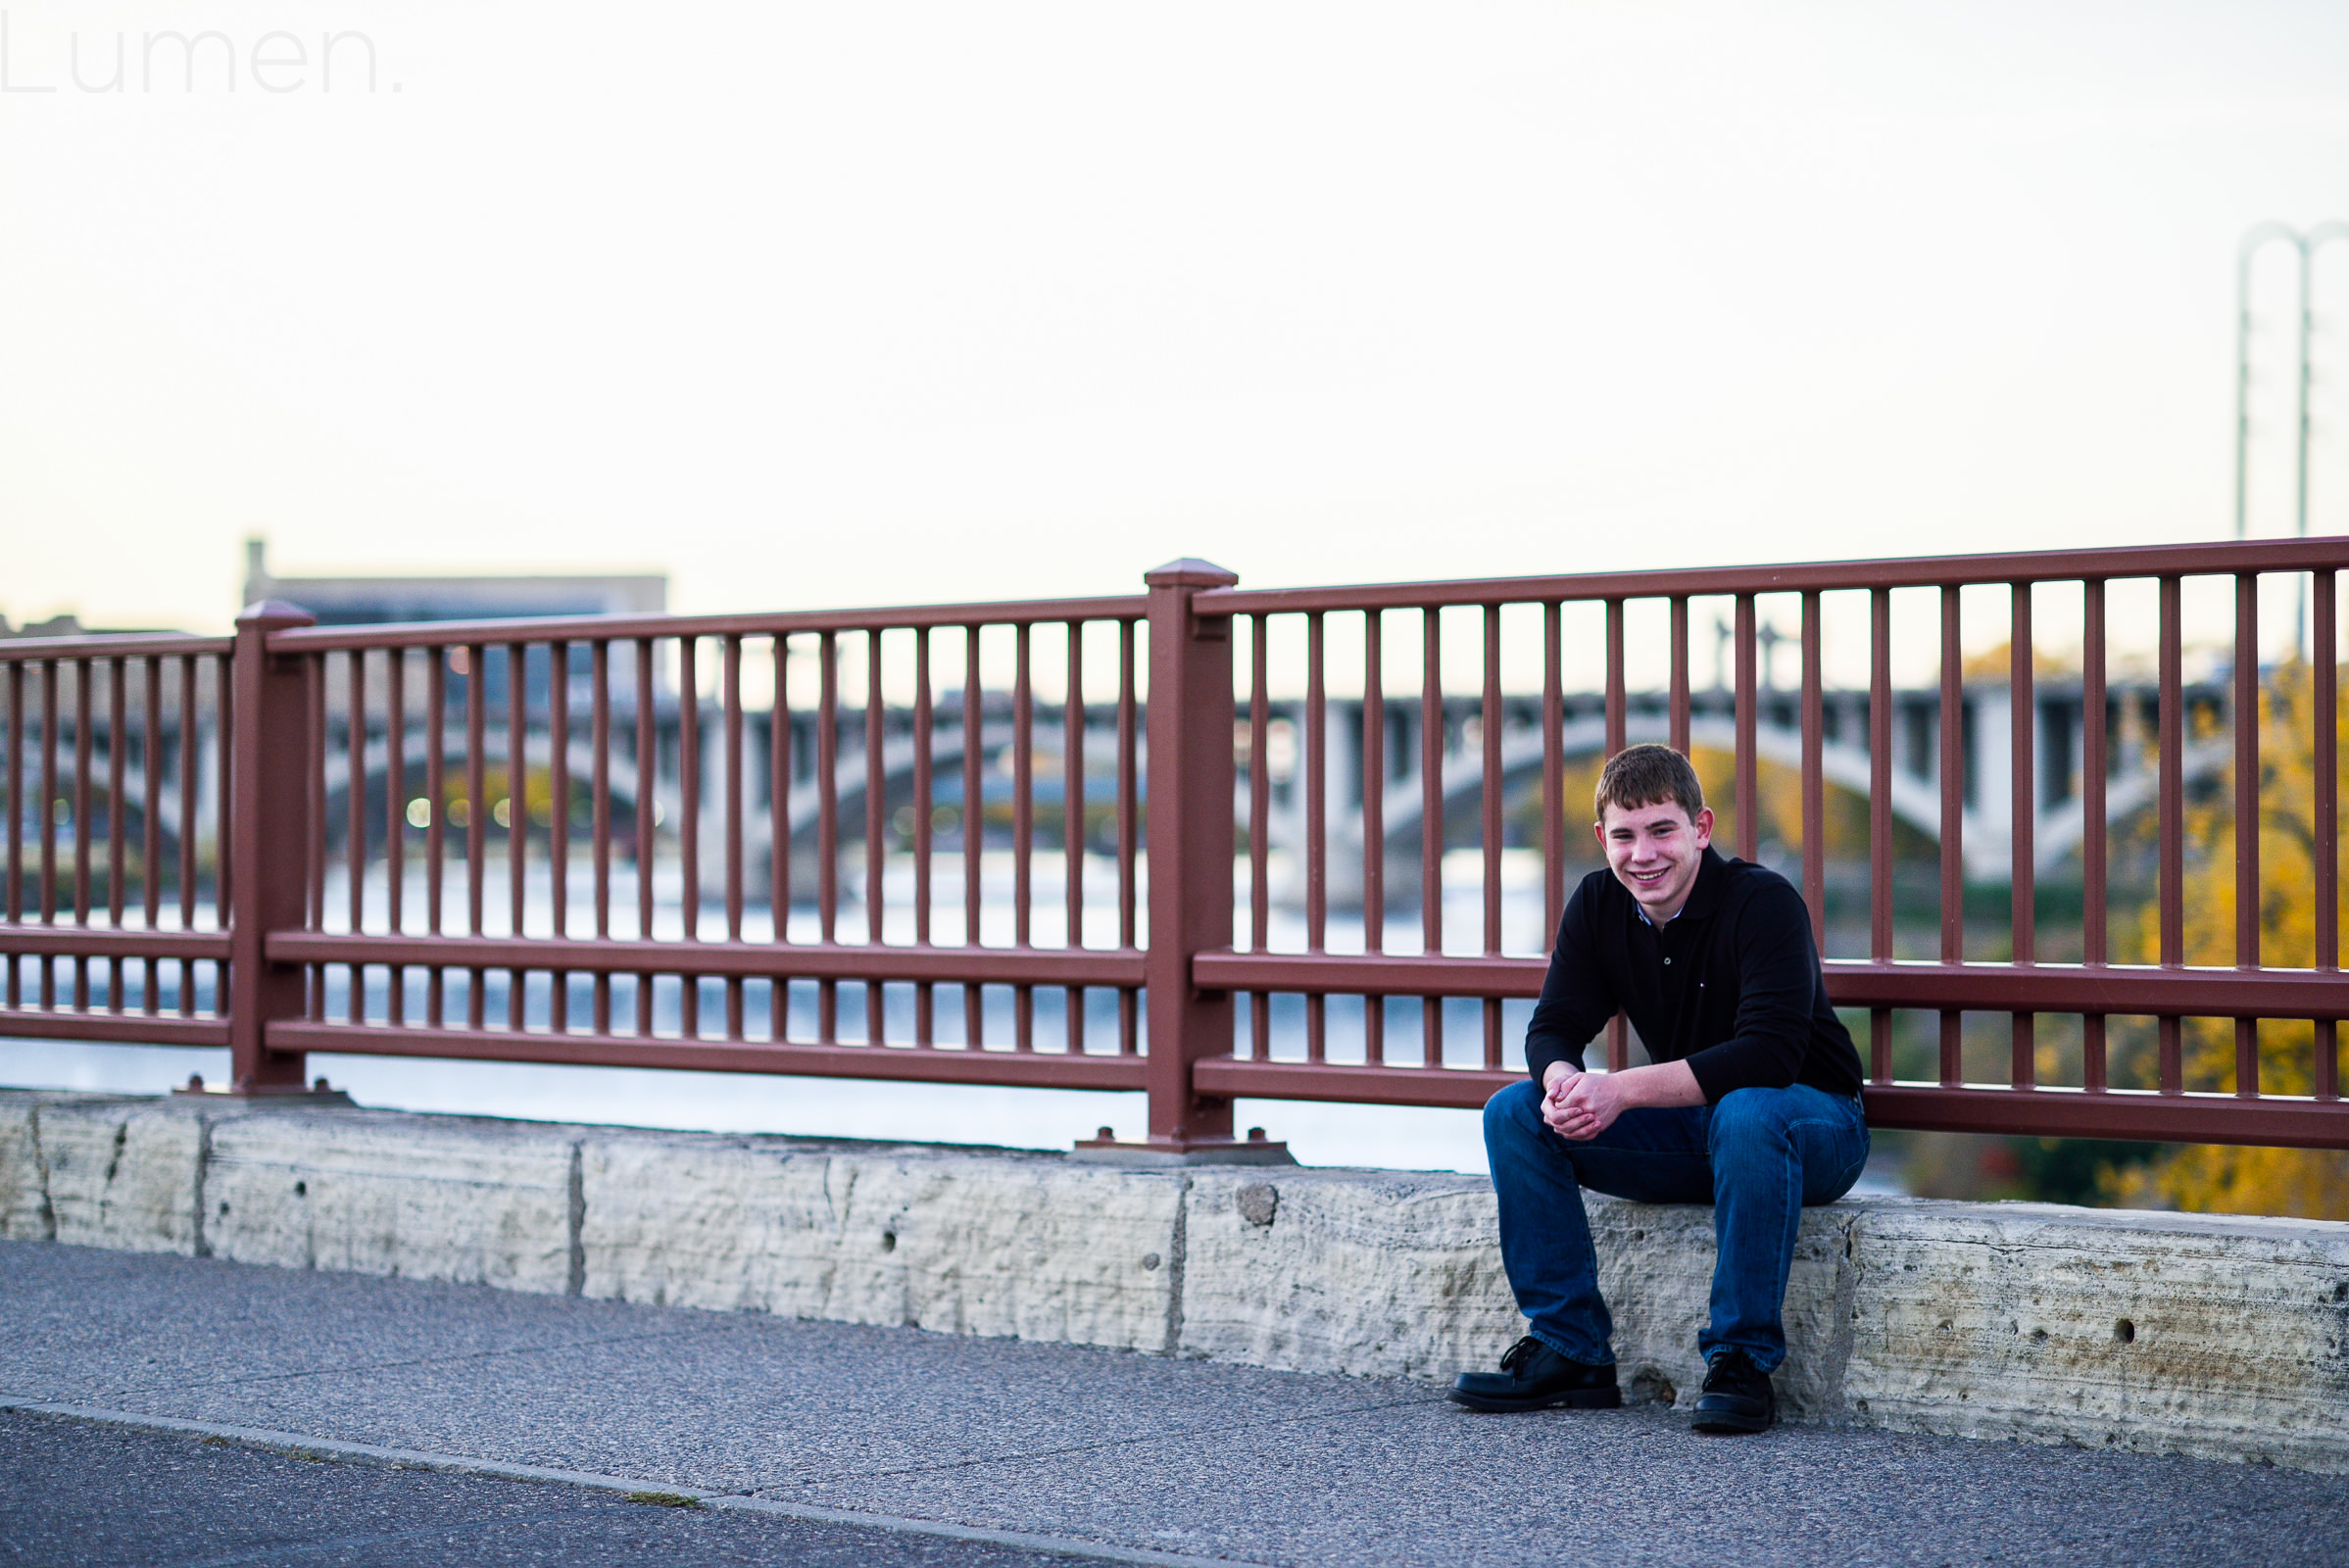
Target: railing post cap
[(272, 615), (1190, 572)]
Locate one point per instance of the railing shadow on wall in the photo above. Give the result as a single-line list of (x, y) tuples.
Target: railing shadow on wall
[(1034, 844)]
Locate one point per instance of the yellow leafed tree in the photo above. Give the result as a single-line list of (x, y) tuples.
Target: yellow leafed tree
[(2306, 1183)]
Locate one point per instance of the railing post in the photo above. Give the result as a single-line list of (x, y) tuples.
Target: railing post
[(269, 831), (1192, 842)]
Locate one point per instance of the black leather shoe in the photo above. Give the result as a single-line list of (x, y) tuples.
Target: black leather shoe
[(1534, 1377), (1738, 1396)]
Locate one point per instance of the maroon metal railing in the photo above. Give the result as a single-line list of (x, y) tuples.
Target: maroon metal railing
[(100, 728), (2023, 985), (181, 810), (627, 992)]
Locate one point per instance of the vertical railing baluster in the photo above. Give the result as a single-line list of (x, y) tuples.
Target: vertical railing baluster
[(2171, 894), (1554, 772), (1618, 722), (84, 740), (974, 738), (1129, 817), (779, 764), (2246, 818), (15, 897), (1490, 828), (1679, 697), (355, 815), (1953, 824), (1814, 772), (925, 993), (2021, 814), (2324, 831), (599, 825), (1747, 697), (436, 745), (559, 823), (688, 826), (117, 869), (1431, 822), (224, 808), (395, 824), (151, 828), (316, 772), (648, 819), (1260, 832), (1315, 734), (116, 756), (1072, 820), (517, 817), (191, 769), (876, 825), (1023, 828), (827, 828), (1879, 820), (731, 698), (476, 821), (1374, 825), (45, 805), (2095, 768)]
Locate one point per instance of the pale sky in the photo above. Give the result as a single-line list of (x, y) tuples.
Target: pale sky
[(853, 304)]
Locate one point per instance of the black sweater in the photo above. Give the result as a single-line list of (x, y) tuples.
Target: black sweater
[(1732, 985)]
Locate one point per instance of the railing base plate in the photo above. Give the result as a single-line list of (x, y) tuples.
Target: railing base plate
[(292, 1096), (1170, 1156)]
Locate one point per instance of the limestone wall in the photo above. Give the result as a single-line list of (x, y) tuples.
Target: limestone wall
[(2160, 1333)]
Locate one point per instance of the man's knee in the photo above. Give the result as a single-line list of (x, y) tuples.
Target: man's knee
[(1749, 1121), (1515, 1113)]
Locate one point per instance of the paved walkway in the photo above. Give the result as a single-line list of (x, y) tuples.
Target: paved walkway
[(1048, 1449)]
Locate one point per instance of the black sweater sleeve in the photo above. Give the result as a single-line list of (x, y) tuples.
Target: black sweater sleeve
[(1777, 987), (1577, 996)]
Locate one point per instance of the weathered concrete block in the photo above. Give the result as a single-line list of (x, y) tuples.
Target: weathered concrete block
[(1400, 1275), (705, 1222), (1367, 1272), (439, 1198), (991, 1245), (121, 1173), (2219, 1336), (1655, 1268), (25, 1214)]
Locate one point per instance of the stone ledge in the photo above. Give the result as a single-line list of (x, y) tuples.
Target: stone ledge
[(2199, 1335)]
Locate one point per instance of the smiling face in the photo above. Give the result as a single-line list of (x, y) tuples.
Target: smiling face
[(1655, 852)]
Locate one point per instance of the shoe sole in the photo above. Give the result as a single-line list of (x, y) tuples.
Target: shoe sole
[(1722, 1423), (1571, 1398)]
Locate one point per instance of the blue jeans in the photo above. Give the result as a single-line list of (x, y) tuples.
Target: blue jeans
[(1758, 1157)]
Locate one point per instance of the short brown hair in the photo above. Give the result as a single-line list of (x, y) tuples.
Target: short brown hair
[(1649, 775)]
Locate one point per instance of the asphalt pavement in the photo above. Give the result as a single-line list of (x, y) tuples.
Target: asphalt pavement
[(178, 1411), (84, 1494)]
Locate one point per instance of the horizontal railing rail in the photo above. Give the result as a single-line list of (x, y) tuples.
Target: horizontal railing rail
[(773, 623), (997, 843)]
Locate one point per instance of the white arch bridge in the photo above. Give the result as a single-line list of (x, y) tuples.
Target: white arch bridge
[(1915, 796)]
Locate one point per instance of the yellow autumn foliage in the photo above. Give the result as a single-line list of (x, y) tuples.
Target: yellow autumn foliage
[(2306, 1183)]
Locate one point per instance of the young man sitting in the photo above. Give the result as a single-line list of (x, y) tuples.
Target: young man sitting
[(1751, 1103)]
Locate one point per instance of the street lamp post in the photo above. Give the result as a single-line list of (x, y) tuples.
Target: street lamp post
[(2305, 246)]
